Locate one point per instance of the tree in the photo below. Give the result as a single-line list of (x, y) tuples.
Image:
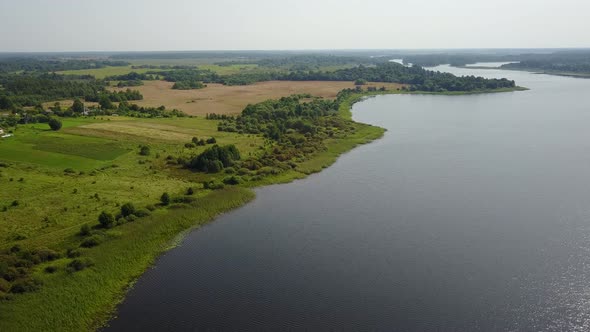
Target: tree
[(360, 81), (106, 219), (127, 209), (54, 124), (77, 107), (6, 103), (165, 199), (105, 102)]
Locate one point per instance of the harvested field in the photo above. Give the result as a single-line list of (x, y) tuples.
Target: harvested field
[(221, 99)]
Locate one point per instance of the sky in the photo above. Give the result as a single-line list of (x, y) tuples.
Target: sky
[(149, 25)]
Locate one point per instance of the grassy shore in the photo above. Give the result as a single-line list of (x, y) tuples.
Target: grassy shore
[(106, 172)]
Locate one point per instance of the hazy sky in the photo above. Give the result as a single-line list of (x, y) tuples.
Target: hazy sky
[(107, 25)]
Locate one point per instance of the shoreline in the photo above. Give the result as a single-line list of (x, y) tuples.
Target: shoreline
[(125, 258)]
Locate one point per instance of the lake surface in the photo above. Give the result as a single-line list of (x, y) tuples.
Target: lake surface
[(472, 213)]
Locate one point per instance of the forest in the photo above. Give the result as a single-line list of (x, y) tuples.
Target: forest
[(21, 90)]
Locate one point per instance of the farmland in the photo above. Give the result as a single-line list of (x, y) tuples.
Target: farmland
[(221, 99)]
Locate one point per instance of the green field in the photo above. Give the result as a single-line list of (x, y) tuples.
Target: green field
[(101, 73), (62, 180)]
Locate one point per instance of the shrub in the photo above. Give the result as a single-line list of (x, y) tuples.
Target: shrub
[(165, 199), (90, 242), (189, 145), (106, 219), (127, 209), (69, 171), (142, 213), (54, 124), (15, 203), (190, 191), (84, 230), (79, 264), (151, 207), (211, 140)]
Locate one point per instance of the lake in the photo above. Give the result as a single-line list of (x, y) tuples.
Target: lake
[(471, 213)]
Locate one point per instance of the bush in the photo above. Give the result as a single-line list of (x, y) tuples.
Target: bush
[(190, 191), (69, 171), (189, 145), (131, 218), (211, 140), (79, 264), (144, 150), (127, 209), (54, 124), (51, 269), (84, 230), (165, 199), (232, 180), (90, 242), (15, 203), (150, 207), (106, 219)]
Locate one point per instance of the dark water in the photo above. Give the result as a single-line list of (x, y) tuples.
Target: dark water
[(472, 213)]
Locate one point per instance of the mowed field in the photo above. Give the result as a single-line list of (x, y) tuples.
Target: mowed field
[(221, 99)]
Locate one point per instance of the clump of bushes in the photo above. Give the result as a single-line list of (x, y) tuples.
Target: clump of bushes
[(25, 285)]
